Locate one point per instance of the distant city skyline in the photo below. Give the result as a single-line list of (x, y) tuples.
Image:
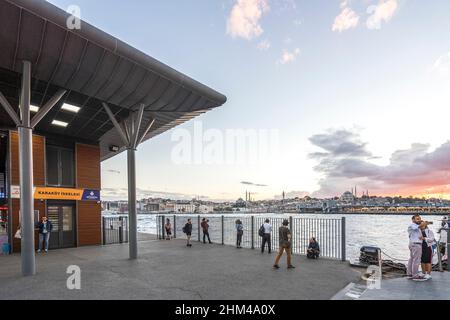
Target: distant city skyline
[(357, 91)]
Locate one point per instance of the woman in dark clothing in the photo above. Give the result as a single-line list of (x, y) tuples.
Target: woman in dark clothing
[(313, 249), (240, 232), (427, 252), (188, 230)]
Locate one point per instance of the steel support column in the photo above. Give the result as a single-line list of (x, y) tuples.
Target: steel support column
[(131, 138), (25, 128)]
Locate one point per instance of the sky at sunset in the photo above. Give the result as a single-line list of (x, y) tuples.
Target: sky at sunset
[(337, 94)]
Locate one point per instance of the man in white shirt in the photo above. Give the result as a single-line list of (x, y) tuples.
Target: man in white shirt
[(415, 248), (266, 237), (443, 236)]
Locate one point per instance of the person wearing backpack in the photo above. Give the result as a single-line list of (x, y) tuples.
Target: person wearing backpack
[(188, 230), (205, 228), (285, 245), (265, 230), (240, 232)]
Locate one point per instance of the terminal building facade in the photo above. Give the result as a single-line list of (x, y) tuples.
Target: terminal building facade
[(69, 99), (66, 189)]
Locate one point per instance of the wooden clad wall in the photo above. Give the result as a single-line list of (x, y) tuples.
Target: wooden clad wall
[(39, 178), (38, 159), (88, 212)]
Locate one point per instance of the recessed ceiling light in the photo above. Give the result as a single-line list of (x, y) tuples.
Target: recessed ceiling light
[(60, 123), (70, 107), (34, 108)]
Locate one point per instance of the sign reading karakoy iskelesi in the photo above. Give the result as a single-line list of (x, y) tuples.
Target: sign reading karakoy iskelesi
[(48, 193)]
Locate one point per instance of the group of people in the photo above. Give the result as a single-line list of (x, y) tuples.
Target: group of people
[(421, 241), (265, 231), (187, 229)]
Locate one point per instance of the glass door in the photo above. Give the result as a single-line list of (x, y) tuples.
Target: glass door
[(62, 216)]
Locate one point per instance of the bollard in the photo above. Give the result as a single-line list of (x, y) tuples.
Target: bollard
[(343, 240), (223, 234)]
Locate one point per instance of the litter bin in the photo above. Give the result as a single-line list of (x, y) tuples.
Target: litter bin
[(6, 248)]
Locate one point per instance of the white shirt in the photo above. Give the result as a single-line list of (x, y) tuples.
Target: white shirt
[(443, 236), (414, 233), (267, 227), (429, 237)]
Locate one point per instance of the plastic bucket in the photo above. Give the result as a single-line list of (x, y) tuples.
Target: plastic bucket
[(6, 248)]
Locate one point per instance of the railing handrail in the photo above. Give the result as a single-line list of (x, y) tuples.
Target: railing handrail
[(330, 232)]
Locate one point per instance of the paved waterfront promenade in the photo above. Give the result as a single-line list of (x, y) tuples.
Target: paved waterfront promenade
[(400, 289), (170, 270)]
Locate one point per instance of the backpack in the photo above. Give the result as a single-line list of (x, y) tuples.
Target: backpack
[(184, 229), (261, 231)]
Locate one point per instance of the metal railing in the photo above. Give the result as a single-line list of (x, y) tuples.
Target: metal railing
[(329, 233), (114, 230)]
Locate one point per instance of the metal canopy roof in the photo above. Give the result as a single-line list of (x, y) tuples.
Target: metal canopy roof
[(94, 67)]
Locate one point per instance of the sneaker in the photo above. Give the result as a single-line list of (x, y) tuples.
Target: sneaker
[(275, 266), (39, 251), (419, 278), (409, 276), (291, 267), (428, 277), (46, 251)]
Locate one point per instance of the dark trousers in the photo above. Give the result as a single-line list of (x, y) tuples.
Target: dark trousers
[(239, 239), (206, 234), (266, 239)]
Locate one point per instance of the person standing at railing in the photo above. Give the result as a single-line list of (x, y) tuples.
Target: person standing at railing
[(205, 228), (443, 236), (240, 232), (188, 230), (285, 237), (427, 251), (415, 248), (266, 229), (168, 227)]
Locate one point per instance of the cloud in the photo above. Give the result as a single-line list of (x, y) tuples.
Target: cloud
[(264, 45), (253, 184), (297, 22), (344, 161), (289, 56), (244, 19), (442, 65), (347, 19), (122, 194), (383, 12)]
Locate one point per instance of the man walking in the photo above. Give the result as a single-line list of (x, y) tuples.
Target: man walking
[(267, 229), (45, 228), (285, 245), (205, 228), (415, 248)]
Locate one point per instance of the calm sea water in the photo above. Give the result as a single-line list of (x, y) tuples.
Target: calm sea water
[(385, 231)]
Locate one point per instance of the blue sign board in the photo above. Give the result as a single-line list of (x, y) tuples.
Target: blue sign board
[(91, 195)]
